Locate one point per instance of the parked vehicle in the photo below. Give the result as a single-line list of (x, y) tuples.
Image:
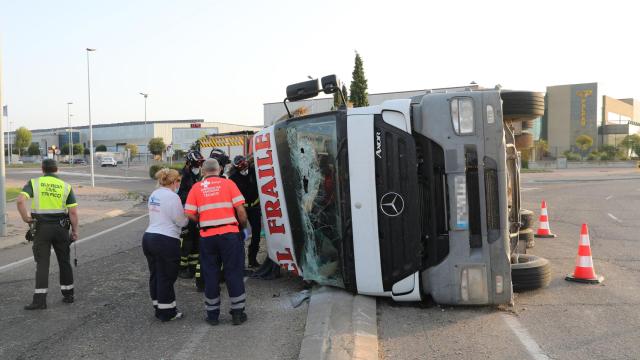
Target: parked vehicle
[(108, 161), (405, 199), (79, 162)]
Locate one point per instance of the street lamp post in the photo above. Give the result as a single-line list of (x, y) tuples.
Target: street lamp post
[(146, 156), (93, 181), (70, 140)]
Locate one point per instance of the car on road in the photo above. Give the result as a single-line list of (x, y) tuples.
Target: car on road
[(108, 161), (79, 162)]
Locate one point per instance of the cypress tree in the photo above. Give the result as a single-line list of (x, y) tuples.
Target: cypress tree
[(337, 100), (358, 89)]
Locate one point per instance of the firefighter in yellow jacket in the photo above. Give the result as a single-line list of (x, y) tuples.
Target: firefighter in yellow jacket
[(53, 212)]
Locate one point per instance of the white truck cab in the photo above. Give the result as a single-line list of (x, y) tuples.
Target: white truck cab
[(404, 199)]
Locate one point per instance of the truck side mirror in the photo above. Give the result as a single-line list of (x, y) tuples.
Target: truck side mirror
[(329, 84), (303, 90)]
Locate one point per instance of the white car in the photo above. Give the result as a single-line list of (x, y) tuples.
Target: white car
[(108, 161)]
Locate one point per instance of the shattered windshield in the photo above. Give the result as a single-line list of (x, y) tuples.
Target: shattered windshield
[(311, 187)]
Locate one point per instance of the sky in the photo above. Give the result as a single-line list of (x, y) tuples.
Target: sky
[(221, 61)]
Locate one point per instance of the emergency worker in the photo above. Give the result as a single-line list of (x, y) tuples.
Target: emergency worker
[(243, 175), (222, 158), (161, 243), (189, 252), (53, 211), (218, 206)]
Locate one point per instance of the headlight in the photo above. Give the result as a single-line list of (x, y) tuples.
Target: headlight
[(462, 115)]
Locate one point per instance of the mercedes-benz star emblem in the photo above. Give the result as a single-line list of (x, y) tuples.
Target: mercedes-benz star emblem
[(392, 204)]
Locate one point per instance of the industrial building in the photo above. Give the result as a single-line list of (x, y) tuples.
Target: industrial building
[(180, 134)]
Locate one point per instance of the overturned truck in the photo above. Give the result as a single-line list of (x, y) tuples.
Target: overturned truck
[(411, 198)]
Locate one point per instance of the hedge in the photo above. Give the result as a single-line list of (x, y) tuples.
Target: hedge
[(153, 169)]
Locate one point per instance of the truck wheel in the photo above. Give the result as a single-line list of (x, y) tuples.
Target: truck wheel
[(527, 124), (529, 272), (526, 237), (524, 141), (526, 218), (522, 105)]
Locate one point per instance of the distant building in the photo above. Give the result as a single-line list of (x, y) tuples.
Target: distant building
[(580, 109), (275, 111), (178, 133)]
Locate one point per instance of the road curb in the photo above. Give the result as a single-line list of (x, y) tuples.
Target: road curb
[(340, 325)]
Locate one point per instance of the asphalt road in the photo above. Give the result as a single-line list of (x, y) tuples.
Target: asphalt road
[(564, 321), (135, 179), (112, 317)]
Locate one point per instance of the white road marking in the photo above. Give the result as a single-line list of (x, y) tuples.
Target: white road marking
[(69, 173), (523, 335), (29, 259), (194, 342), (608, 197), (614, 218), (528, 189)]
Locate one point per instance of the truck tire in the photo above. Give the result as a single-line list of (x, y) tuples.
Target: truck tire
[(529, 272), (524, 141), (527, 124), (527, 237), (522, 105), (526, 218)]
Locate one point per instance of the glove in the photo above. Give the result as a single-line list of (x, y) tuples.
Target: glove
[(185, 231)]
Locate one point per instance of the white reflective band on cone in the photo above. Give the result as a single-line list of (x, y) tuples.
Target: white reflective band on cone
[(66, 287), (584, 261), (167, 306), (40, 291), (584, 239)]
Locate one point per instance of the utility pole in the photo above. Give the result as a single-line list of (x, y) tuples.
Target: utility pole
[(146, 157), (70, 140), (3, 193), (93, 179)]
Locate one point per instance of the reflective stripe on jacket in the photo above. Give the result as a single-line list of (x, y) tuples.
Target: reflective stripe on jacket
[(214, 199)]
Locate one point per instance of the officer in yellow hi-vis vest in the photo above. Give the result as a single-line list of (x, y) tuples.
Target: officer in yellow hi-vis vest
[(53, 211)]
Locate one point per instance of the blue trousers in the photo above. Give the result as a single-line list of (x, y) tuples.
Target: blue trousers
[(215, 251), (163, 257)]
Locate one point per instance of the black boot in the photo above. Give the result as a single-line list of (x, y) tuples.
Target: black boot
[(185, 274), (67, 299), (253, 263), (238, 317), (39, 302)]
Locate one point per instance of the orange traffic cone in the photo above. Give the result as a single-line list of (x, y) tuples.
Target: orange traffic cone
[(543, 230), (584, 271)]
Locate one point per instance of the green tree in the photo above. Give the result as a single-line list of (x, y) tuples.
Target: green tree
[(157, 146), (23, 138), (337, 100), (358, 90), (584, 143), (78, 149), (64, 150), (636, 149), (133, 150), (101, 148), (542, 148), (629, 142), (34, 149), (87, 151)]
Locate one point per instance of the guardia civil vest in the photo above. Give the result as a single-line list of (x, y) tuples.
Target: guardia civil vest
[(49, 195)]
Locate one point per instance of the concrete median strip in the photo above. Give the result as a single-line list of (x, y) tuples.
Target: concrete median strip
[(340, 326)]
